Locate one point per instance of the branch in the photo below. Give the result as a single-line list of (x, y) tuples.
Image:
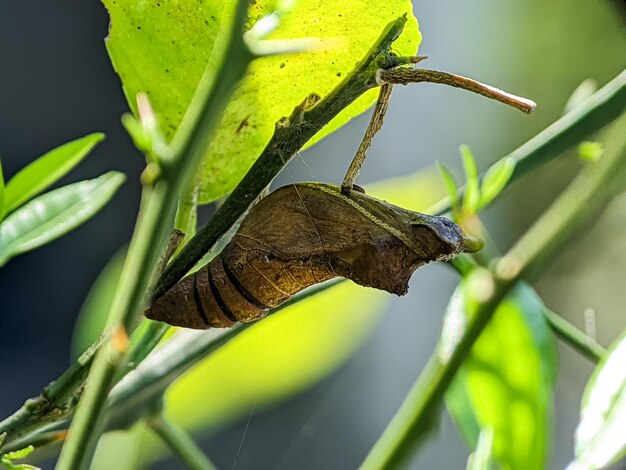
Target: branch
[(156, 213), (587, 195), (181, 444), (376, 123), (405, 75), (55, 400), (576, 338)]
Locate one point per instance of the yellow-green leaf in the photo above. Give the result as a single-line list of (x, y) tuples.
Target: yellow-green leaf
[(279, 356), (93, 314), (162, 48)]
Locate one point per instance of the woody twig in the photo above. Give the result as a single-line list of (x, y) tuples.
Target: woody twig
[(374, 126), (406, 75)]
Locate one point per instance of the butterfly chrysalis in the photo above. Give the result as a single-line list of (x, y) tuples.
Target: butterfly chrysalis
[(303, 234)]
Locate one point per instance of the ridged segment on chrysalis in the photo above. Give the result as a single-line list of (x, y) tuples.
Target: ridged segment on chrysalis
[(303, 234)]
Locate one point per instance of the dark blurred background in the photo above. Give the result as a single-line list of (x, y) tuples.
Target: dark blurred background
[(57, 84)]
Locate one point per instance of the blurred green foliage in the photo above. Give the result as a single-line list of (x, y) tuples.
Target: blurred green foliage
[(600, 437), (506, 383)]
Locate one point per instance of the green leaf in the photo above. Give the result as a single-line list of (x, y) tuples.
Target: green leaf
[(46, 170), (472, 190), (506, 383), (482, 458), (162, 48), (450, 185), (600, 436), (495, 180), (55, 213)]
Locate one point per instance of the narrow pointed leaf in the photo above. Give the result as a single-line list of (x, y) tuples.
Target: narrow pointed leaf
[(55, 213), (46, 170), (472, 190), (449, 183), (601, 436), (506, 383), (495, 180)]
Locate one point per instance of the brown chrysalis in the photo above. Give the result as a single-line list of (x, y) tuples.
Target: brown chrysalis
[(300, 235)]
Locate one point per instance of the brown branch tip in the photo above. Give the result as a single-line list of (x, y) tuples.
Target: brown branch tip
[(406, 75)]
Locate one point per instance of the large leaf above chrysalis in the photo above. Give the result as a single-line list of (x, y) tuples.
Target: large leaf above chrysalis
[(161, 48)]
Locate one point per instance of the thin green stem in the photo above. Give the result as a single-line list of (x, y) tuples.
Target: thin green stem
[(154, 223), (586, 196), (576, 338), (141, 260), (152, 336), (180, 443)]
